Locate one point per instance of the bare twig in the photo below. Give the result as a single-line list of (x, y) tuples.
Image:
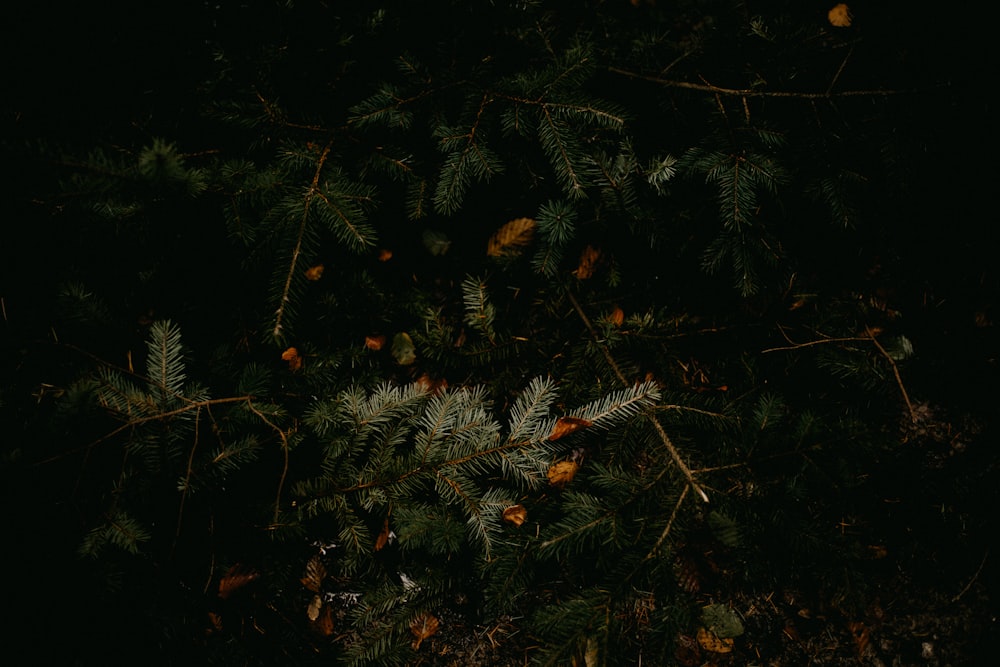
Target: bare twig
[(187, 481), (895, 372), (974, 577), (284, 448), (751, 92), (664, 438)]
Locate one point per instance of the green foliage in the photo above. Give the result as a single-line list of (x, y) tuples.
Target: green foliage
[(723, 297)]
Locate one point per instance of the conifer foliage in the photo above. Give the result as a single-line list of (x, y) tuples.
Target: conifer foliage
[(545, 333)]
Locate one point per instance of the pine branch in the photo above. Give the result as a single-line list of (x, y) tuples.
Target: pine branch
[(664, 438), (278, 328)]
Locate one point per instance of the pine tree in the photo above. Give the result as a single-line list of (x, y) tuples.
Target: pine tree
[(417, 323)]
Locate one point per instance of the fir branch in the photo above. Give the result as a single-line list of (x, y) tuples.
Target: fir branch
[(277, 329), (664, 438)]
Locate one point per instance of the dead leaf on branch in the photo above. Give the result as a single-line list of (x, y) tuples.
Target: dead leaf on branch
[(384, 537), (840, 16), (515, 515), (617, 316), (422, 627), (315, 574), (710, 642), (291, 355), (511, 237), (566, 425), (324, 624), (588, 263), (374, 342), (562, 473), (236, 578), (315, 605), (314, 273)]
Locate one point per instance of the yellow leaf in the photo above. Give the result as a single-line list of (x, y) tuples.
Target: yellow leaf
[(315, 605), (710, 642), (514, 234), (840, 16), (566, 425), (422, 627), (403, 350), (314, 273), (562, 473), (515, 514)]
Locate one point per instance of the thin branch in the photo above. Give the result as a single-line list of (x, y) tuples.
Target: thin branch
[(751, 92), (974, 577), (313, 189), (895, 372), (187, 481), (664, 438), (284, 469)]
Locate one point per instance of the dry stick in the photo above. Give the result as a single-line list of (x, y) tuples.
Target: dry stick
[(187, 481), (974, 577), (856, 339), (284, 470), (750, 92), (895, 371), (313, 189), (674, 454)]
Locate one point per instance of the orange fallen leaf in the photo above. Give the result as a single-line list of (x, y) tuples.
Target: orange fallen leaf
[(375, 342), (510, 236), (566, 425), (383, 537), (515, 514), (235, 578), (291, 355), (588, 262), (562, 473), (384, 255), (617, 316), (710, 642), (422, 627), (324, 624), (314, 273), (840, 16), (430, 385)]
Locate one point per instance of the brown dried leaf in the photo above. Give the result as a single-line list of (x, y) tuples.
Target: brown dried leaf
[(511, 236), (383, 537), (588, 262), (710, 642), (384, 255), (315, 574), (859, 632), (515, 514), (235, 578), (214, 622), (314, 273), (374, 343), (315, 605), (566, 425), (430, 385), (291, 355), (324, 624), (617, 316), (562, 473), (840, 16), (422, 627)]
